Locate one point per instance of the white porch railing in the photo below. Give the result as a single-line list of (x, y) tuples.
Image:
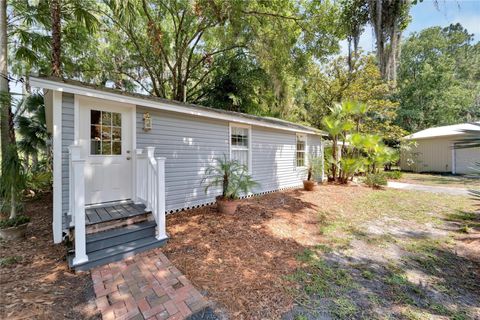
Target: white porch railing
[(150, 186), (77, 202)]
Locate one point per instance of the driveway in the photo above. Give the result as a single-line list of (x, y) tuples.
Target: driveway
[(433, 189)]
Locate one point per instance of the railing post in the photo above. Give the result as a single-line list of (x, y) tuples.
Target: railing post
[(78, 174), (137, 177), (150, 155), (71, 183), (160, 203)]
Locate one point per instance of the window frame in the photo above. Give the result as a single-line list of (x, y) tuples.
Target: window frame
[(231, 147), (305, 160), (90, 154)]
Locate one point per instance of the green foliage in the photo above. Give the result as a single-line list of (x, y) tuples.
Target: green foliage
[(438, 78), (315, 167), (232, 176), (15, 222), (39, 180), (8, 261), (376, 180), (335, 81), (32, 129), (394, 175), (12, 180)]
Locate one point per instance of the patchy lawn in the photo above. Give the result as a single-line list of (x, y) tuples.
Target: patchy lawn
[(338, 252), (34, 278), (445, 180)]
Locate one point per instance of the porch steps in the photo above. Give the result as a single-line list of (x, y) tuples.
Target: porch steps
[(117, 244)]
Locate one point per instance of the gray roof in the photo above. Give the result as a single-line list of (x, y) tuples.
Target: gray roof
[(269, 120)]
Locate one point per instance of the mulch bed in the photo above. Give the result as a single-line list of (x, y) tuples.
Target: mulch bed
[(240, 261), (39, 285)]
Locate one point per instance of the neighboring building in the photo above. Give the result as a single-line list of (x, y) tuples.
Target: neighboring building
[(119, 155), (432, 150)]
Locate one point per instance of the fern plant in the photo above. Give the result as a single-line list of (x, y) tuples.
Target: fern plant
[(231, 175)]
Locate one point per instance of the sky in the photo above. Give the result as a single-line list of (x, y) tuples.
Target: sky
[(425, 14)]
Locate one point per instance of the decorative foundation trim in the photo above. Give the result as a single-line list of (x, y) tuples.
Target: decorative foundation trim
[(210, 203)]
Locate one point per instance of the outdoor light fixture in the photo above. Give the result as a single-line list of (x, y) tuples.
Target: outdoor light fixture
[(147, 121)]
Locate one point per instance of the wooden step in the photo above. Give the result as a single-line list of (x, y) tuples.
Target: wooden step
[(118, 223), (117, 252), (106, 239)]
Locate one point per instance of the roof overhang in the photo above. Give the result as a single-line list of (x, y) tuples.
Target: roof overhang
[(56, 85)]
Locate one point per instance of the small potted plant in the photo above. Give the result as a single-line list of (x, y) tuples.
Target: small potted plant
[(314, 168), (15, 228), (234, 179)]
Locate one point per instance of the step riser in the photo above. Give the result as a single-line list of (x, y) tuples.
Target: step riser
[(114, 224), (122, 238), (117, 257)]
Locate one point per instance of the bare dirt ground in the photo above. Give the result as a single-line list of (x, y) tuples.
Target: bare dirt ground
[(339, 252), (34, 278)]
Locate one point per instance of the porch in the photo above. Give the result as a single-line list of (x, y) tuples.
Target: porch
[(108, 232)]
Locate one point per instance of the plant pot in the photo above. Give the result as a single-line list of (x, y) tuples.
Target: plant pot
[(14, 233), (227, 206), (308, 185)]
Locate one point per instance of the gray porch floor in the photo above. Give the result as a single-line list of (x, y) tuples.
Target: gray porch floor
[(112, 212)]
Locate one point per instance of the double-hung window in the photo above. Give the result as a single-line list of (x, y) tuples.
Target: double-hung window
[(240, 144), (301, 146)]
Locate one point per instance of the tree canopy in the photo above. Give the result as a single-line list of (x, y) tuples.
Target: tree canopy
[(273, 58)]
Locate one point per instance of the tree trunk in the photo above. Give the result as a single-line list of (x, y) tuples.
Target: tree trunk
[(4, 90), (55, 13), (350, 67), (7, 128)]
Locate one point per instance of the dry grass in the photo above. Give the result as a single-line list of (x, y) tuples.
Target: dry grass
[(254, 263), (34, 278)]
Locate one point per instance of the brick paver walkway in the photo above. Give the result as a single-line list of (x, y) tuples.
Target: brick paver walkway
[(146, 286)]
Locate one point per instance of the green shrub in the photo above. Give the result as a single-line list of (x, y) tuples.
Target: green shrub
[(15, 222), (394, 175), (376, 180), (232, 176)]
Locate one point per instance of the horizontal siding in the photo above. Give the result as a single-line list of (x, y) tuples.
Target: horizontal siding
[(429, 155), (189, 145), (67, 140), (274, 159)]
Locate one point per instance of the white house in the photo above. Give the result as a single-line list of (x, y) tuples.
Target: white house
[(122, 161), (432, 150)]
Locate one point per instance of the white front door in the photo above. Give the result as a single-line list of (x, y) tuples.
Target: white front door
[(105, 134)]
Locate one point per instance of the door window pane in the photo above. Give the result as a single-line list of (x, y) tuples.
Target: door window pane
[(105, 133)]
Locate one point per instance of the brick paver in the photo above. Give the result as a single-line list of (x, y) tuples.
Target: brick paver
[(146, 286)]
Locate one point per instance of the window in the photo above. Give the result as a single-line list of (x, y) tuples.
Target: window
[(239, 144), (301, 150), (105, 133)]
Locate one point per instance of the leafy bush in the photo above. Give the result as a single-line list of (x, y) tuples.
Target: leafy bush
[(232, 176), (376, 180), (15, 222), (395, 175), (315, 167)]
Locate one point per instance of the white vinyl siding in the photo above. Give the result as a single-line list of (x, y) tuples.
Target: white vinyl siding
[(189, 145)]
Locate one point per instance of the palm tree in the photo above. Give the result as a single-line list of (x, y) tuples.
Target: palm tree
[(33, 130)]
